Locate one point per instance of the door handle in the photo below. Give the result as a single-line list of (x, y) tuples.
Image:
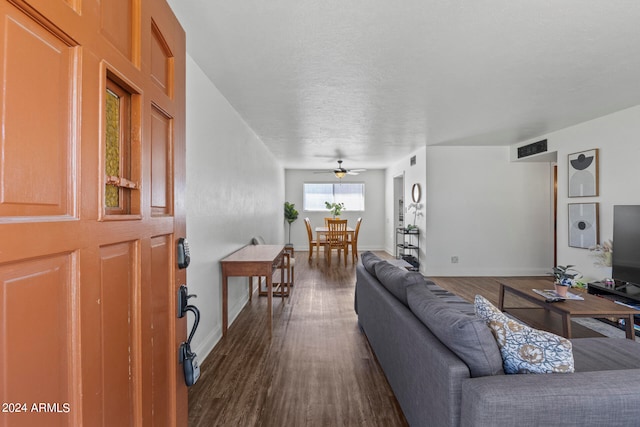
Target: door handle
[(186, 357)]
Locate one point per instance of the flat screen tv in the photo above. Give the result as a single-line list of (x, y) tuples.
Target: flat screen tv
[(626, 244)]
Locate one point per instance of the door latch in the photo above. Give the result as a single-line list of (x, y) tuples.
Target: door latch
[(188, 358), (183, 296)]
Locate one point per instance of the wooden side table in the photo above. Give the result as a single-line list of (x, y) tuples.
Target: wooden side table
[(251, 260)]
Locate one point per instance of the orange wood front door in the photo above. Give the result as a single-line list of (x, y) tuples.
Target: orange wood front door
[(92, 175)]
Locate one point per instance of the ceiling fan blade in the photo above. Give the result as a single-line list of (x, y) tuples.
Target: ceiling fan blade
[(355, 171)]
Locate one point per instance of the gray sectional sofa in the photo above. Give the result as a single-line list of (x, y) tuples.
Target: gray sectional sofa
[(456, 380)]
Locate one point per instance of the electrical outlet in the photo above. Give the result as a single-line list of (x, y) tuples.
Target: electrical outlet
[(454, 259)]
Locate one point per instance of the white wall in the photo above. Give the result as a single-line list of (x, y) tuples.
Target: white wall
[(370, 237), (235, 190), (494, 215), (617, 136), (412, 175)]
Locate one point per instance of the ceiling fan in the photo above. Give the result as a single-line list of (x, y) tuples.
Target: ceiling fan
[(341, 172)]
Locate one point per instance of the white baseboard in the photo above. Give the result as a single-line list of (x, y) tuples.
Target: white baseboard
[(208, 343), (214, 336), (486, 272)]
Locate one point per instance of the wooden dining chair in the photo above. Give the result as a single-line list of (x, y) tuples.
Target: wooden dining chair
[(326, 220), (313, 243), (337, 239), (353, 241)]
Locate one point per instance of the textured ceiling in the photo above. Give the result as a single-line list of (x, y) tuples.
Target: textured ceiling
[(370, 81)]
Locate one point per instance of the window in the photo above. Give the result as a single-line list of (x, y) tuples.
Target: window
[(118, 155), (316, 194), (121, 165)]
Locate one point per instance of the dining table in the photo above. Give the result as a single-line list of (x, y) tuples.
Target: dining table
[(321, 232)]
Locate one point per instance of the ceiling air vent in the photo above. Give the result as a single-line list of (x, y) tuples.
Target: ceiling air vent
[(533, 148)]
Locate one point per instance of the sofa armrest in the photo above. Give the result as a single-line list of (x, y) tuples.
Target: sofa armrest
[(610, 398)]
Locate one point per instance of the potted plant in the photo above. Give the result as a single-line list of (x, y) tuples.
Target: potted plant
[(564, 278), (603, 253), (334, 208), (290, 215), (416, 207)]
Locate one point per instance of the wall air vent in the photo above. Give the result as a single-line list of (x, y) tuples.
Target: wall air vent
[(533, 148)]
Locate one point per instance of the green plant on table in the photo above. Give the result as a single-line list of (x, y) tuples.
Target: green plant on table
[(579, 284), (335, 208), (565, 275)]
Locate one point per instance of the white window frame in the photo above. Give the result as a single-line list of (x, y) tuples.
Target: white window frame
[(333, 198)]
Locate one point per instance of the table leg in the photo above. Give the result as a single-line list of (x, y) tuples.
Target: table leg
[(269, 301), (282, 284), (501, 298), (225, 315), (629, 329), (566, 325)]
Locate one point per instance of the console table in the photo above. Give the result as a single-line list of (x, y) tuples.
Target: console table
[(405, 247), (251, 260), (625, 293), (591, 306)]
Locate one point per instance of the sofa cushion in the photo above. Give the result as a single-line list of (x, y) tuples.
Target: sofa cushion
[(524, 349), (465, 335), (369, 260), (396, 279)]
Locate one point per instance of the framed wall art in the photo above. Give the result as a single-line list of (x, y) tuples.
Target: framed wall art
[(583, 225), (583, 173)]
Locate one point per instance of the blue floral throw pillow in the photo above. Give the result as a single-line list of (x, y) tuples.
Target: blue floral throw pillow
[(525, 350)]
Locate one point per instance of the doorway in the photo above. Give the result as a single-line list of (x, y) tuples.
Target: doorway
[(555, 215), (398, 201)]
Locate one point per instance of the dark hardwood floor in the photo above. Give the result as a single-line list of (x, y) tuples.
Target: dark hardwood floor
[(316, 368)]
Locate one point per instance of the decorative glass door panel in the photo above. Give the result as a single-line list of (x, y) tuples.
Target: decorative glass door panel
[(121, 191)]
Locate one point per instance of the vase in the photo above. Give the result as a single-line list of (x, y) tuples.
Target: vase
[(561, 290)]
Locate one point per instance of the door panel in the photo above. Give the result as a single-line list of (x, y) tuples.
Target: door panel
[(160, 368), (33, 344), (39, 80), (117, 24), (88, 296), (118, 264), (161, 61), (161, 164)]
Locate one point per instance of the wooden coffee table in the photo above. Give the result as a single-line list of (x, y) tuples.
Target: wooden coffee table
[(591, 306)]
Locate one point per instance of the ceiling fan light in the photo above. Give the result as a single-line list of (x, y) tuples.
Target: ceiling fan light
[(340, 173)]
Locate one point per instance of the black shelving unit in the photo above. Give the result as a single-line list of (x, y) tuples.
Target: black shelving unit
[(408, 246), (627, 294)]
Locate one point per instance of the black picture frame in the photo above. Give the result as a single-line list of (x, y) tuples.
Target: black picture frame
[(584, 227), (583, 171)]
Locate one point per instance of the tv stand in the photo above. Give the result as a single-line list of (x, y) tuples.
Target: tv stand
[(623, 292)]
